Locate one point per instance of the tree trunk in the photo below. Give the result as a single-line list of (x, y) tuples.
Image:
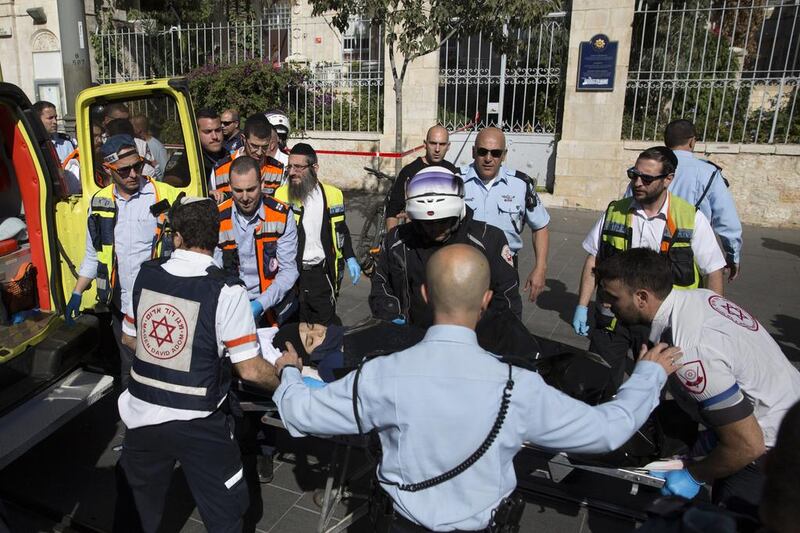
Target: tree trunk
[(398, 130)]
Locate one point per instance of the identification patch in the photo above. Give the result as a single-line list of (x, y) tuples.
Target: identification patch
[(507, 255), (692, 376), (165, 327), (733, 312)]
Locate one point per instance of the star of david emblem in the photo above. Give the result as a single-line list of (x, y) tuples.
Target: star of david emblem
[(167, 328), (734, 311)]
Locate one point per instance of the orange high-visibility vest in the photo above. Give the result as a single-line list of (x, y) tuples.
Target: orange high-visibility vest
[(271, 174)]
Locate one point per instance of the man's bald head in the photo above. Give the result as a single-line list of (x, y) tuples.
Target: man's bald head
[(488, 152), (457, 281), (437, 141)]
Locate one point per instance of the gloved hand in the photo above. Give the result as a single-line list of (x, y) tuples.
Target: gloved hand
[(580, 320), (678, 483), (73, 309), (399, 321), (354, 269), (257, 309)]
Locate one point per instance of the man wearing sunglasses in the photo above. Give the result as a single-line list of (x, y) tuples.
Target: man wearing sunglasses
[(259, 143), (122, 233), (230, 130), (507, 199), (652, 218)]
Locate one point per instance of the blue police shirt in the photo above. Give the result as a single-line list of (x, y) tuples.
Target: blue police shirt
[(286, 255), (691, 179), (503, 204), (433, 406), (64, 145)]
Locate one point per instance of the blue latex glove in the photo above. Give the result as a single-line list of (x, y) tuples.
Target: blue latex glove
[(399, 321), (678, 483), (313, 383), (580, 320), (354, 269), (257, 309), (20, 316), (73, 309)]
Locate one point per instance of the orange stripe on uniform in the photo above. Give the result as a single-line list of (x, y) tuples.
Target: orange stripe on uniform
[(129, 319), (241, 340)]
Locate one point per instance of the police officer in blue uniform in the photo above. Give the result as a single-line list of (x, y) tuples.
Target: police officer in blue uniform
[(433, 405), (191, 322), (701, 183), (507, 199), (63, 143)]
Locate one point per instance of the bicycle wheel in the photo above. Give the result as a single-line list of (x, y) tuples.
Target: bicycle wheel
[(370, 237)]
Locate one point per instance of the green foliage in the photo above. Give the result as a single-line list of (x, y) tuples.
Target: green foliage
[(255, 86), (706, 71)]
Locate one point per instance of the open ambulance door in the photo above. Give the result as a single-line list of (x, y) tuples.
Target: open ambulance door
[(158, 112)]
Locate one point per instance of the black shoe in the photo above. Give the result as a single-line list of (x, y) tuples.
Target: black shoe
[(264, 467)]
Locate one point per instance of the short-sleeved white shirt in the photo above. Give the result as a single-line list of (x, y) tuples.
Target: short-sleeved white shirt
[(731, 366), (235, 331), (648, 231)]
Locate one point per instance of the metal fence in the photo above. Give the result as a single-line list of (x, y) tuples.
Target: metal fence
[(343, 84), (522, 93), (730, 66)]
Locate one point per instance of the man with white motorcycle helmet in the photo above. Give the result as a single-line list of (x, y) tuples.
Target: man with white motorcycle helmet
[(282, 126), (439, 217)]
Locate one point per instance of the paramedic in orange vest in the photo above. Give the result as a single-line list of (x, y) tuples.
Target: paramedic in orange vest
[(258, 242), (258, 144)]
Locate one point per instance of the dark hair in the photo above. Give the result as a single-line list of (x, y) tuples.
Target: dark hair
[(119, 126), (41, 105), (638, 268), (206, 112), (780, 500), (244, 165), (197, 222), (679, 132), (116, 106), (257, 126), (306, 150), (663, 155)]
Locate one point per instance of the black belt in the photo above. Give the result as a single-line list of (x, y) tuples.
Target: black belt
[(307, 267)]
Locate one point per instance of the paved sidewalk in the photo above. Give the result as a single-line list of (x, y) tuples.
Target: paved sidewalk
[(72, 472)]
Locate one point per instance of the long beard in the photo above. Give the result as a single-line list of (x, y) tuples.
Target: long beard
[(300, 191)]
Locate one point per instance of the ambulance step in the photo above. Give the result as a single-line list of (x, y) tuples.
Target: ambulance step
[(33, 421)]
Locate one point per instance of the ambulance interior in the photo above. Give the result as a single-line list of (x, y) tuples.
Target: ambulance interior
[(25, 307)]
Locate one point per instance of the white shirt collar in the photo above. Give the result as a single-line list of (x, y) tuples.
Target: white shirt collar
[(663, 317), (190, 263)]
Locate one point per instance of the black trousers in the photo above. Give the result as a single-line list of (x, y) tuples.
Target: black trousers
[(741, 492), (126, 355), (402, 525), (316, 296), (211, 463), (613, 347)]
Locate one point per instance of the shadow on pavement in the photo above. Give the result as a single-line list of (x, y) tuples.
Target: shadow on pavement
[(558, 298), (788, 335), (774, 244)]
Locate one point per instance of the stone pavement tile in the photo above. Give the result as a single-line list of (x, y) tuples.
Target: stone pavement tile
[(295, 520), (276, 503)]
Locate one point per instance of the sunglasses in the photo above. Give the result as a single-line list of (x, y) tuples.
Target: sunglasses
[(228, 122), (496, 153), (124, 172), (646, 178)]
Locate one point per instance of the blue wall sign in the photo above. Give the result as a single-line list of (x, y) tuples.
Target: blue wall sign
[(597, 63)]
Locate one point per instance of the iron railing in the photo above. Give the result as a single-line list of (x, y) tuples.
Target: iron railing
[(730, 66)]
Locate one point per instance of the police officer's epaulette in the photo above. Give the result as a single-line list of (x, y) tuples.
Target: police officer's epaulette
[(276, 204), (224, 160), (274, 162), (216, 273), (67, 138), (711, 163), (531, 199)]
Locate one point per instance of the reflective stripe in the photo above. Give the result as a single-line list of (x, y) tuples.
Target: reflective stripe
[(171, 387), (241, 340), (234, 479)]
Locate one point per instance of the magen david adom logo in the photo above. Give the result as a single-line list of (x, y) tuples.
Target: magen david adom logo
[(165, 332)]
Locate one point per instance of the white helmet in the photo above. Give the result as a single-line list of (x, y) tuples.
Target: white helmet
[(435, 193), (279, 121)]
